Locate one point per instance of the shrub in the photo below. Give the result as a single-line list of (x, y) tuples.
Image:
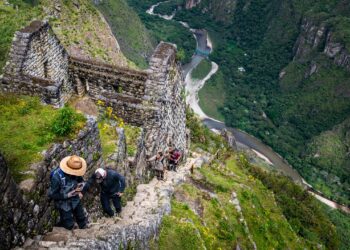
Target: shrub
[(65, 122)]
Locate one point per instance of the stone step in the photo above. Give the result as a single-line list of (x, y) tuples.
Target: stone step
[(140, 217)]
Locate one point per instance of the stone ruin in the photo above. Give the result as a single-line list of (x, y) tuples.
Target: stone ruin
[(152, 99)]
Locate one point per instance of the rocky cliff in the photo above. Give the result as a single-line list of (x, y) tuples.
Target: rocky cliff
[(189, 4), (319, 37)]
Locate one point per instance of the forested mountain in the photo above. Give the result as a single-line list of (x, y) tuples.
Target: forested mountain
[(294, 91)]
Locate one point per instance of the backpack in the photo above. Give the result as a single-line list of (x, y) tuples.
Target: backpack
[(60, 173), (177, 155)]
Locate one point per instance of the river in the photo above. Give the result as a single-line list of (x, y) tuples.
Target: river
[(262, 150)]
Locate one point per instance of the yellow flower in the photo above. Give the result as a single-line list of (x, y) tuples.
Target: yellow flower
[(100, 103), (105, 127), (109, 112)]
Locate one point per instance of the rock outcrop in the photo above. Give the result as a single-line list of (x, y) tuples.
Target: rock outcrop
[(189, 4), (319, 37)]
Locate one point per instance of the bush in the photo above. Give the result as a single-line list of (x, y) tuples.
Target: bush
[(66, 121)]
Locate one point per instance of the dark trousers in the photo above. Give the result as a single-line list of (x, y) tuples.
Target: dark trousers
[(172, 165), (159, 174), (106, 205), (67, 220)]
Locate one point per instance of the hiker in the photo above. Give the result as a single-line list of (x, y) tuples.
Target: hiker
[(174, 156), (64, 190), (112, 187), (158, 164)]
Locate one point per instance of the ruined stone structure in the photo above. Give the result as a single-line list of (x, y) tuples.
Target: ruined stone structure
[(151, 99), (40, 66)]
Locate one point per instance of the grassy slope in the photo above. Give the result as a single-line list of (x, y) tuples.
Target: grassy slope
[(216, 224), (26, 130), (133, 38), (279, 214), (80, 28), (84, 32)]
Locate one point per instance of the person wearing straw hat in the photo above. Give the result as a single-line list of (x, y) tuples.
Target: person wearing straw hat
[(112, 187), (66, 181)]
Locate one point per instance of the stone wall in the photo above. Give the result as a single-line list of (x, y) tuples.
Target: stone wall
[(165, 88), (25, 209), (120, 88), (38, 65)]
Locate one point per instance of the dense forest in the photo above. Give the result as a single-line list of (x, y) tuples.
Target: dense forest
[(290, 94)]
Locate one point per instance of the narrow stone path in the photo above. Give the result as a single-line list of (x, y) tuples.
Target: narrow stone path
[(141, 219)]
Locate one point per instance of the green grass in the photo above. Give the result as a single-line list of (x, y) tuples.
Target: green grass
[(342, 223), (201, 136), (26, 130), (132, 135), (109, 139), (212, 96), (202, 70), (198, 221)]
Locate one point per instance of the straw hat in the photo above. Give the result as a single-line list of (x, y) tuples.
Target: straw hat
[(73, 165)]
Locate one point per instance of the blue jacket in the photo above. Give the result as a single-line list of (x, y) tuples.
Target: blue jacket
[(112, 184), (61, 185)]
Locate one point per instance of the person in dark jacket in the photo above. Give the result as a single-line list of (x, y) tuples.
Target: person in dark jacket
[(65, 182), (112, 187)]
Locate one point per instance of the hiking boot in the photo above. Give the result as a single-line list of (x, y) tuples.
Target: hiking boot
[(86, 226), (118, 216)]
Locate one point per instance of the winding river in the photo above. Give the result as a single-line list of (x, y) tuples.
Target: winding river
[(244, 139)]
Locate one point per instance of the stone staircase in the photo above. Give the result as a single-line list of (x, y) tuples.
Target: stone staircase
[(140, 222)]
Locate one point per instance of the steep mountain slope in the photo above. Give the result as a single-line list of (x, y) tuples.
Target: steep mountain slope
[(81, 28), (134, 40)]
